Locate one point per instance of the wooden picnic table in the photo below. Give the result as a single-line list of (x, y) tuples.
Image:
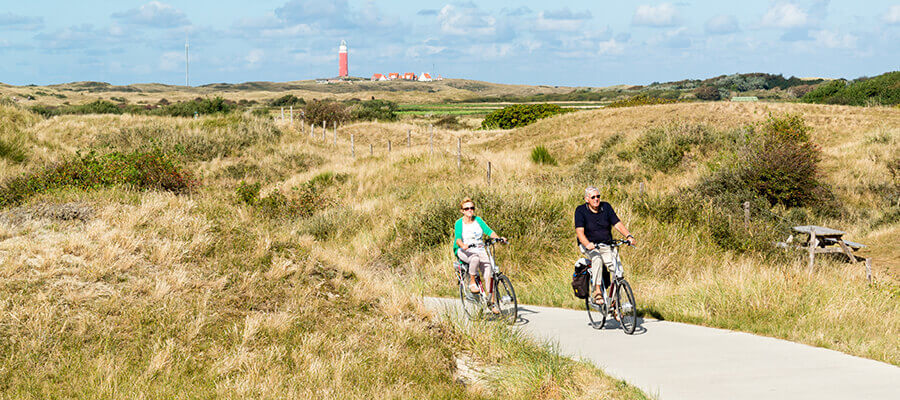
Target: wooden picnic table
[(820, 239)]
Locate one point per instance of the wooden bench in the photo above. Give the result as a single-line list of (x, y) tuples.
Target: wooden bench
[(820, 239)]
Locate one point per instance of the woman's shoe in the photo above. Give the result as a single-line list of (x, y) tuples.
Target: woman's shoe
[(494, 309), (598, 298), (474, 288)]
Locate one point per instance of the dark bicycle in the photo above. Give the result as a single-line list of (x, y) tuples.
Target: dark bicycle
[(502, 290), (619, 296)]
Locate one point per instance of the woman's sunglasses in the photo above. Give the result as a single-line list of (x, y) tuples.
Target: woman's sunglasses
[(468, 208)]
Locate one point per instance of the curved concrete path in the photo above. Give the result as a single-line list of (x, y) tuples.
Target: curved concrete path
[(681, 361)]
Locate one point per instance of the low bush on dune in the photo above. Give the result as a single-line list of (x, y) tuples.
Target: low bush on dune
[(520, 115), (318, 111), (199, 106), (302, 201), (640, 100), (381, 110), (882, 90), (152, 170), (774, 166), (540, 155)]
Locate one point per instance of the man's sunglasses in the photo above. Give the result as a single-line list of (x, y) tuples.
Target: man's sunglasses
[(596, 196), (468, 208)]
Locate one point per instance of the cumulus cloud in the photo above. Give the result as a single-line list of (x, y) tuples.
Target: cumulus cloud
[(722, 24), (155, 15), (466, 20), (10, 21), (835, 40), (785, 15), (333, 14), (561, 20), (892, 16), (515, 12), (610, 47), (659, 16), (171, 61), (676, 38), (73, 37), (427, 12), (254, 57)]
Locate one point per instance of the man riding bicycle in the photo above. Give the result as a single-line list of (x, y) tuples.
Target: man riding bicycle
[(594, 221)]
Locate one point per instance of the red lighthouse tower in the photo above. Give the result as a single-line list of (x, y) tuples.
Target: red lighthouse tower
[(343, 68)]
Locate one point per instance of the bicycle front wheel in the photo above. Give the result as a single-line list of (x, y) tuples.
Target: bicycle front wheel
[(506, 300), (626, 307), (470, 301), (596, 312)]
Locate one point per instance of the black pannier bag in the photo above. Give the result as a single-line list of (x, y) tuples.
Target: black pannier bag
[(581, 279)]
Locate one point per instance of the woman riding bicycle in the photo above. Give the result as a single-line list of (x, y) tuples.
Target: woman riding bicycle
[(594, 221), (468, 246)]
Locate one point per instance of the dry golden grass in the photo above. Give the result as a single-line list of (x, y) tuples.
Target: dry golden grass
[(119, 294)]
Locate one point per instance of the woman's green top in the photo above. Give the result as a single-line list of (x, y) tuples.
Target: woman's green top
[(458, 227)]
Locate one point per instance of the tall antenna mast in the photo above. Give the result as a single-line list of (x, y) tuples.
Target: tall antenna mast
[(187, 61)]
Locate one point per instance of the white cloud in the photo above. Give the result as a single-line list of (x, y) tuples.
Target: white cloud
[(254, 57), (785, 15), (423, 50), (676, 38), (659, 16), (722, 24), (893, 15), (20, 22), (834, 40), (561, 20), (288, 31), (466, 21), (610, 47), (154, 14), (171, 61)]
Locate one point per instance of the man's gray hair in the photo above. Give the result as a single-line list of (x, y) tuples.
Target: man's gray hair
[(589, 189)]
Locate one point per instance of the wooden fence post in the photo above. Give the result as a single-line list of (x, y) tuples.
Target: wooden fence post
[(747, 214), (813, 243), (352, 147), (389, 146), (408, 138), (489, 173), (312, 130), (371, 150), (431, 140), (641, 188), (335, 133), (282, 114), (292, 115)]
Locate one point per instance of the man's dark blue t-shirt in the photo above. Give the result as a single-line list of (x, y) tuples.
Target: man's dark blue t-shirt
[(597, 225)]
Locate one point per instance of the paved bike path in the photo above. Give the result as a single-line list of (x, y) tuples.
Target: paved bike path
[(683, 361)]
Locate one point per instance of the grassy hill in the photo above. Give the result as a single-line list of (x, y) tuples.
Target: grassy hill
[(307, 284)]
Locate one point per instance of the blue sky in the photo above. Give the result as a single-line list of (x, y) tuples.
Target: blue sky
[(575, 43)]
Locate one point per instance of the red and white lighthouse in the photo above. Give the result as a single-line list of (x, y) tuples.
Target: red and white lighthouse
[(343, 67)]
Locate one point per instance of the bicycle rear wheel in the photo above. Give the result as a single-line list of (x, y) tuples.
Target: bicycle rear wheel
[(470, 301), (596, 312), (626, 307), (506, 300)]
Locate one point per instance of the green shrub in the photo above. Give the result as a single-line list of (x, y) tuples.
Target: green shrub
[(216, 105), (94, 107), (519, 115), (450, 122), (318, 111), (707, 93), (248, 193), (152, 170), (303, 202), (640, 100), (369, 110), (540, 155), (663, 149), (778, 163), (287, 101), (883, 89)]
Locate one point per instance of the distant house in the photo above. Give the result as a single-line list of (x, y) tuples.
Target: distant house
[(409, 76), (393, 76), (378, 77), (425, 77)]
